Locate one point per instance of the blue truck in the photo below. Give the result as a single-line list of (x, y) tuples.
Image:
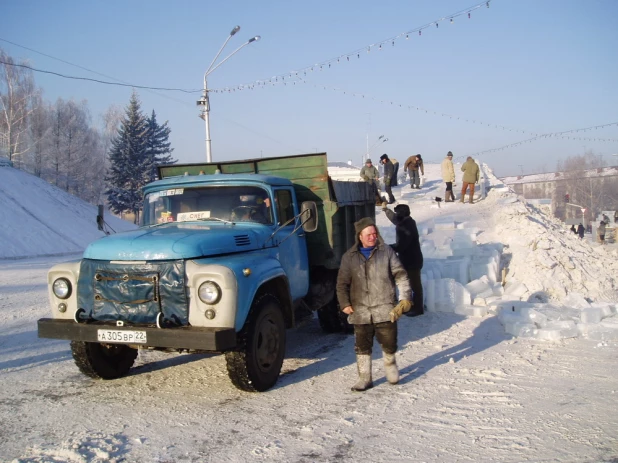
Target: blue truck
[(227, 257)]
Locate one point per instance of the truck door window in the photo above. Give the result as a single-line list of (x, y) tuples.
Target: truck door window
[(285, 208)]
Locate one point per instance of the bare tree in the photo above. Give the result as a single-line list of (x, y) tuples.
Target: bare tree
[(39, 129), (585, 184), (17, 91)]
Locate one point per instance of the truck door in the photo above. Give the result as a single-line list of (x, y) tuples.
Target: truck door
[(293, 250)]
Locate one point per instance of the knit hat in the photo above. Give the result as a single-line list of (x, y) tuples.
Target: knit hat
[(449, 154), (383, 157), (362, 224), (402, 210), (368, 161)]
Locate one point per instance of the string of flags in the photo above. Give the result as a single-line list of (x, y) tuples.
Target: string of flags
[(298, 74), (482, 123), (554, 135)]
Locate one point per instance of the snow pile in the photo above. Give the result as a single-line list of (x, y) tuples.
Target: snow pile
[(40, 219), (529, 270), (549, 260)]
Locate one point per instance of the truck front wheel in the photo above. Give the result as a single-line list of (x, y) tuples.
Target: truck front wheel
[(255, 365), (103, 361)]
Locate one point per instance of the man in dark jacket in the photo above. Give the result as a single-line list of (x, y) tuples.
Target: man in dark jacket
[(408, 249), (389, 171), (369, 274), (580, 230)]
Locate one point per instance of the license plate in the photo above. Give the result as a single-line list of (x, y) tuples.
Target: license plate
[(122, 336)]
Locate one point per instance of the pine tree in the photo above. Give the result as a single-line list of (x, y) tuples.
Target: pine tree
[(158, 151), (129, 165)]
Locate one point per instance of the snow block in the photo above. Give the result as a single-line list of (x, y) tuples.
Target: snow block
[(471, 311), (478, 286), (514, 288), (598, 331), (445, 295), (554, 331), (576, 300), (521, 329), (456, 268), (444, 222), (591, 315)]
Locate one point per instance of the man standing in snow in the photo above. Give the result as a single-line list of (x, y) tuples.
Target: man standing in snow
[(448, 175), (370, 175), (580, 230), (408, 249), (411, 167), (369, 274), (389, 171), (471, 176)]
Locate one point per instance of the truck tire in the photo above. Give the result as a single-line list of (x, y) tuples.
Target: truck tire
[(255, 365), (103, 361), (333, 320)]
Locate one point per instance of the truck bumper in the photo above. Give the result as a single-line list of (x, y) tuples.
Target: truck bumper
[(185, 337)]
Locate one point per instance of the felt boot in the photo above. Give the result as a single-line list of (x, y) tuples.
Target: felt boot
[(452, 196), (363, 362), (390, 368), (447, 197)]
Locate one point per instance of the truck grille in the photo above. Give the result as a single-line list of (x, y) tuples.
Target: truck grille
[(136, 293)]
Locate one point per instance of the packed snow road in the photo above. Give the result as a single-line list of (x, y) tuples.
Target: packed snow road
[(469, 392)]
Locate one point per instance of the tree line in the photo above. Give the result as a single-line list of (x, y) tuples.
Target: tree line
[(59, 143)]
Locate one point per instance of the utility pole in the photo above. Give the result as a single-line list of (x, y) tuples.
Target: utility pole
[(521, 167)]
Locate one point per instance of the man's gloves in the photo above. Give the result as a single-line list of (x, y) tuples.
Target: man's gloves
[(384, 206), (403, 306)]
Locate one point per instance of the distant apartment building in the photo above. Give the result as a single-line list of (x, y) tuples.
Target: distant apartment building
[(593, 189)]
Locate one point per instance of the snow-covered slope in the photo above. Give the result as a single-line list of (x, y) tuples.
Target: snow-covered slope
[(40, 219)]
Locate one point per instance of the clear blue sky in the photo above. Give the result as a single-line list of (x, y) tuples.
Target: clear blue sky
[(537, 66)]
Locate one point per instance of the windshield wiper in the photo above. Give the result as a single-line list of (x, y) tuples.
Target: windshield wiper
[(203, 219)]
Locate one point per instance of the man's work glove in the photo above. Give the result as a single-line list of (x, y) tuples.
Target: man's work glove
[(384, 206), (403, 306)]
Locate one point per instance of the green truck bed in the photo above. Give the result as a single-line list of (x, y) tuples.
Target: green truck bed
[(340, 204)]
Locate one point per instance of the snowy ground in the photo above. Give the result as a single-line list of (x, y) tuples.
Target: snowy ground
[(469, 391)]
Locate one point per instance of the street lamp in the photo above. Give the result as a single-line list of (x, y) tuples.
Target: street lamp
[(204, 101), (380, 139)]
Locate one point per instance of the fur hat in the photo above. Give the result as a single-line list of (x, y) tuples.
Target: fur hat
[(450, 153), (383, 157), (368, 161), (362, 224), (402, 210)]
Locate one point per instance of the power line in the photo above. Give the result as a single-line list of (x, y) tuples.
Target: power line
[(100, 81)]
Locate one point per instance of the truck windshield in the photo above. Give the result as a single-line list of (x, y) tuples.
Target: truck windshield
[(234, 203)]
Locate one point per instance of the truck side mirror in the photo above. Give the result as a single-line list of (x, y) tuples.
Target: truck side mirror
[(309, 216)]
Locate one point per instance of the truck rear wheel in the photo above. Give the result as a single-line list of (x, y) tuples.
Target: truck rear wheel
[(255, 365), (103, 361), (333, 320)]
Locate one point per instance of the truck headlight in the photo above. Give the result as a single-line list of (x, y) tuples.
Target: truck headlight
[(62, 288), (209, 292)]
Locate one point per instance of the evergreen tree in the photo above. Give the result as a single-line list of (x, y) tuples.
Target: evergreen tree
[(158, 151), (129, 165)]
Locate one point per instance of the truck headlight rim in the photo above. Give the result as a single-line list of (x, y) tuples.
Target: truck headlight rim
[(62, 288), (209, 292)]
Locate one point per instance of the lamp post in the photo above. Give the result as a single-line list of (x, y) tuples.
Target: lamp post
[(205, 101)]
